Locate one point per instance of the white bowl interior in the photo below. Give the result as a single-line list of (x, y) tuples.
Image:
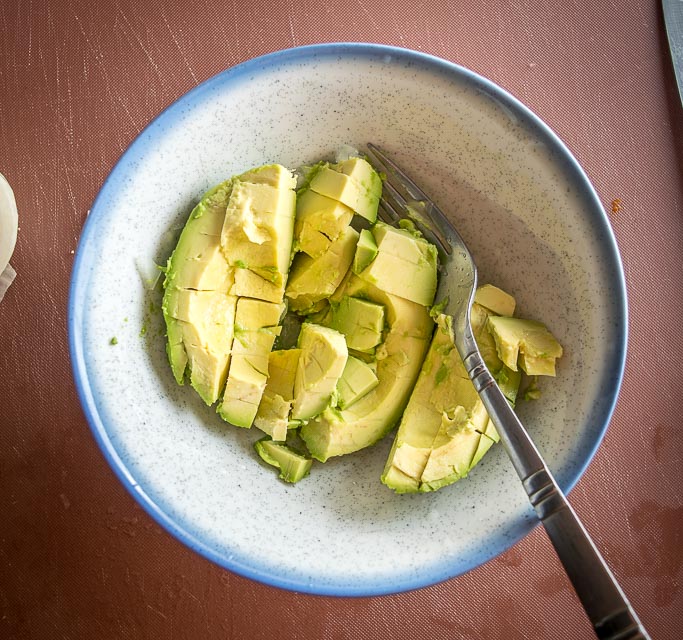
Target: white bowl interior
[(517, 198)]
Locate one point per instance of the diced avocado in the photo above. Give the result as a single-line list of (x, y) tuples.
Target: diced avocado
[(256, 314), (314, 279), (208, 270), (292, 465), (527, 342), (361, 322), (441, 427), (321, 363), (319, 222), (352, 182), (254, 335), (250, 284), (242, 394), (273, 415), (274, 175), (198, 311), (495, 299), (259, 224), (409, 329), (366, 250), (405, 265), (357, 380)]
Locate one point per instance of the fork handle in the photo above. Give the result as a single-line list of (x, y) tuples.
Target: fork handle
[(603, 600)]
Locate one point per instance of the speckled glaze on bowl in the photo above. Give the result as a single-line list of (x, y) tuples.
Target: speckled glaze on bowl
[(519, 199)]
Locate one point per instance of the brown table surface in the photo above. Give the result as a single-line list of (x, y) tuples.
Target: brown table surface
[(80, 79)]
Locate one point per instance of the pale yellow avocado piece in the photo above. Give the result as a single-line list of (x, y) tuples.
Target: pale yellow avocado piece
[(209, 271), (242, 394), (203, 327), (273, 415), (292, 465), (250, 284), (361, 322), (352, 182), (256, 314), (202, 321), (255, 332), (319, 222), (312, 280), (405, 265), (527, 342), (321, 363), (409, 330), (258, 229), (495, 299), (357, 380), (366, 250), (198, 323)]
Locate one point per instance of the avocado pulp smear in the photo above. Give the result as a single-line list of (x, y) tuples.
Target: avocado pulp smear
[(372, 351)]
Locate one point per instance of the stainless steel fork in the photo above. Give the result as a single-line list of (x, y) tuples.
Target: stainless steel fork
[(603, 600)]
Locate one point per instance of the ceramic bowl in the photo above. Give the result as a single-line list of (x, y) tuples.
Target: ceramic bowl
[(518, 197)]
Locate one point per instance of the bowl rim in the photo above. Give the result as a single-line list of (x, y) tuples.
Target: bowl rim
[(84, 260)]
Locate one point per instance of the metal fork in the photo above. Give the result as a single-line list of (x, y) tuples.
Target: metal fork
[(603, 600)]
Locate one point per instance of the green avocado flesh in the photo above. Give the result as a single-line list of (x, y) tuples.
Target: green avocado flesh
[(370, 352)]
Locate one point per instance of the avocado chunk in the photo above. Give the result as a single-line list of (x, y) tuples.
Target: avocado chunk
[(319, 222), (254, 335), (292, 465), (311, 280), (198, 309), (526, 342), (366, 250), (361, 322), (273, 415), (357, 380), (337, 432), (321, 363), (352, 182), (405, 265), (495, 299), (258, 229)]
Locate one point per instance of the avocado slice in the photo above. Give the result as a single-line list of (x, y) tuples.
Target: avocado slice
[(445, 430), (319, 222), (337, 432), (323, 357), (357, 380), (311, 280), (352, 182), (292, 465), (441, 428), (361, 322), (366, 250), (405, 265), (197, 306), (526, 342)]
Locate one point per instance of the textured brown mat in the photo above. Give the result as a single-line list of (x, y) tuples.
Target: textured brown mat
[(79, 80)]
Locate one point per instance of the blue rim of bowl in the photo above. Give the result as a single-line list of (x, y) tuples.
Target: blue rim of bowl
[(83, 260)]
